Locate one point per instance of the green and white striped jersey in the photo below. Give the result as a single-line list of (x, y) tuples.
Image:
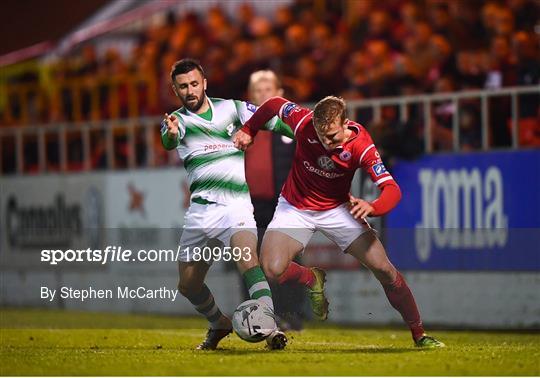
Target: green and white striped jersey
[(215, 167)]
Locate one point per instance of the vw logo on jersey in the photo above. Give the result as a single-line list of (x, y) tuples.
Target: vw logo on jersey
[(326, 163), (345, 155)]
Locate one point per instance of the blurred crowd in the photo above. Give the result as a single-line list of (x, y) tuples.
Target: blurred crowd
[(356, 49)]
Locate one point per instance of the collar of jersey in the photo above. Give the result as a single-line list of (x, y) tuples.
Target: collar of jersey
[(349, 126), (356, 128), (210, 103)]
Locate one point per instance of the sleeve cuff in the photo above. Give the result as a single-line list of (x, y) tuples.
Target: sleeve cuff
[(248, 130)]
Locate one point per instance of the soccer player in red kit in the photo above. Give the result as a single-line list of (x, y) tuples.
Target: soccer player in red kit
[(316, 197)]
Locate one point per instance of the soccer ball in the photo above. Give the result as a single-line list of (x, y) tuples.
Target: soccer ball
[(253, 321)]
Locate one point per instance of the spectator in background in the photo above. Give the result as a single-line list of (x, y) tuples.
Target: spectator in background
[(527, 55), (240, 65), (322, 49), (303, 84), (409, 15), (245, 15), (283, 17), (381, 70), (488, 18), (502, 67), (443, 61), (379, 28), (267, 164), (419, 50), (329, 52), (504, 22), (470, 136), (259, 27), (114, 95), (296, 46), (501, 72), (442, 22), (167, 98), (357, 17), (397, 139), (355, 72), (217, 26), (526, 13), (184, 29), (259, 167), (216, 59), (271, 53), (471, 69), (87, 72), (443, 114), (468, 23)]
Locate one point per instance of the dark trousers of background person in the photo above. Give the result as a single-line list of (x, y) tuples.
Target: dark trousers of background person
[(268, 163), (289, 297)]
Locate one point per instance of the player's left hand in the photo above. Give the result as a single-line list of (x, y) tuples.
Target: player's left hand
[(242, 140), (359, 208)]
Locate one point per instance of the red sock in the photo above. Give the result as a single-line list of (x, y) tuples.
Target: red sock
[(297, 273), (401, 298)]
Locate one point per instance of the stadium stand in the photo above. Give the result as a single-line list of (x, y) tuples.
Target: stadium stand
[(357, 49)]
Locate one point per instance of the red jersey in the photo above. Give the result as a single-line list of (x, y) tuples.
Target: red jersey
[(320, 179)]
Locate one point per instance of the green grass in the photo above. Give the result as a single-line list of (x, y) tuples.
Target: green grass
[(41, 342)]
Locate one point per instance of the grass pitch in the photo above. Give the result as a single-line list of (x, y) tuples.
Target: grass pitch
[(41, 342)]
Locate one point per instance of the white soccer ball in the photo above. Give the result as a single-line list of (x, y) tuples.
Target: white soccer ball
[(253, 321)]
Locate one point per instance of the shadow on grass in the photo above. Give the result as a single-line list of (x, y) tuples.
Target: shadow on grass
[(361, 350)]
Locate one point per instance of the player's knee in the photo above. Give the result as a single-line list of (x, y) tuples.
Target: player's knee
[(183, 289), (386, 273), (273, 270), (244, 265), (186, 289)]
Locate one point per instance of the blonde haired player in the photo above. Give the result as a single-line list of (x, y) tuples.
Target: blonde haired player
[(316, 197)]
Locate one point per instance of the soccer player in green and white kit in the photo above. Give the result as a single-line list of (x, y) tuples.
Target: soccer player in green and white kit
[(221, 208)]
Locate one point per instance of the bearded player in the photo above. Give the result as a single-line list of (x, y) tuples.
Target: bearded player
[(201, 131), (316, 197)]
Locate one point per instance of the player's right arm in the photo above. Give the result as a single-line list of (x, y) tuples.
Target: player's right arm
[(370, 162), (289, 112), (171, 132)]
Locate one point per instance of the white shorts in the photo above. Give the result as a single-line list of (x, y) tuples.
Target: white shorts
[(214, 221), (337, 224)]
